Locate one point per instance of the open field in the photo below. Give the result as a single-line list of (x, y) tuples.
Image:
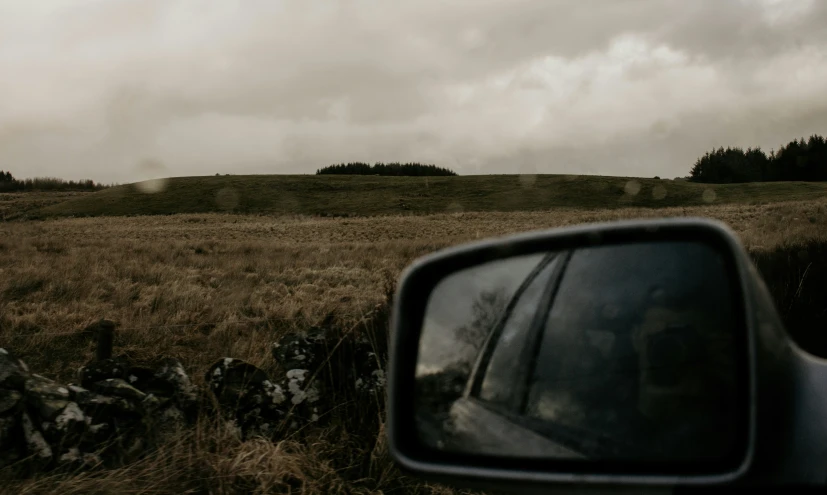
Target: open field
[(202, 286), (14, 205), (370, 195)]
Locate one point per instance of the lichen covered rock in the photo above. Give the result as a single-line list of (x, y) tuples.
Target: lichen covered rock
[(13, 372), (97, 371), (113, 415), (301, 350), (248, 396)]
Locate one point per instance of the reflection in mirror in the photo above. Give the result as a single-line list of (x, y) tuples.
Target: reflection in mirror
[(619, 352)]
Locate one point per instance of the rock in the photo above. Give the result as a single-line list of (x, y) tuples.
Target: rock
[(9, 400), (97, 434), (301, 350), (35, 443), (234, 382), (117, 410), (7, 426), (74, 457), (118, 388), (171, 373), (168, 422), (91, 460), (9, 440), (368, 373), (102, 407), (371, 384), (66, 429), (13, 372), (152, 404), (97, 371), (143, 379), (298, 390), (247, 396), (304, 398), (71, 420), (77, 393), (272, 393), (48, 397)]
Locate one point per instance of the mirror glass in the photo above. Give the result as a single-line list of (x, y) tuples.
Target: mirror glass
[(617, 352)]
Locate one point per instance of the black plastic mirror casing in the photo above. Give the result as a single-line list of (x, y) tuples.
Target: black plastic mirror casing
[(773, 438)]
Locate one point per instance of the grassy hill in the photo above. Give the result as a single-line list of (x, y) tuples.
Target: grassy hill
[(373, 195)]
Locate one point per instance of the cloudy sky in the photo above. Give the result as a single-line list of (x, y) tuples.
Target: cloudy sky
[(124, 90)]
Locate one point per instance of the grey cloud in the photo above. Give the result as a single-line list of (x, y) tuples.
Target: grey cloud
[(204, 87), (669, 151), (740, 32)]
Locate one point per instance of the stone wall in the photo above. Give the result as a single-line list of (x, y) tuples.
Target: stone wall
[(116, 411)]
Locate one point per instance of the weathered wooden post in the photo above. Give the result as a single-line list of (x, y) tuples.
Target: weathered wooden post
[(106, 336)]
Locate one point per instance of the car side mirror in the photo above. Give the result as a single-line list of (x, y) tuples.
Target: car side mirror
[(621, 353)]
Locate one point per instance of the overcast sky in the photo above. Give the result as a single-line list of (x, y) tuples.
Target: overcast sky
[(125, 90)]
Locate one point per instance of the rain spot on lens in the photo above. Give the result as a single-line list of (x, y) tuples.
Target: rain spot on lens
[(152, 168), (658, 192), (632, 188), (528, 176), (528, 180), (226, 198), (454, 208), (709, 195), (151, 186)]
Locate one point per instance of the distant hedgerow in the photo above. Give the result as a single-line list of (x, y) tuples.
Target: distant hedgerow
[(392, 169), (9, 184)]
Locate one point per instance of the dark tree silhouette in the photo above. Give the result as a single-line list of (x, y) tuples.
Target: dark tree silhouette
[(800, 160), (9, 184), (392, 169)]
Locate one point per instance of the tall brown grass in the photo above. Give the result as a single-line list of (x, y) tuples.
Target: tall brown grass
[(200, 287)]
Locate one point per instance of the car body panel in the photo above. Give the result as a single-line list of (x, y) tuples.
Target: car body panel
[(477, 427)]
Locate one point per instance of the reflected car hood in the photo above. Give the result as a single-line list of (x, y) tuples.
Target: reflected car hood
[(477, 429)]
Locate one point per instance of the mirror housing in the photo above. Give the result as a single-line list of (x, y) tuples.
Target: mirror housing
[(779, 446)]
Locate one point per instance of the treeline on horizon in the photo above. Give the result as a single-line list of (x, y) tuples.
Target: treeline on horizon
[(800, 160), (9, 184), (392, 169)]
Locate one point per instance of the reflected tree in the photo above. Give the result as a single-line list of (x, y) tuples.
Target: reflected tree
[(488, 308), (436, 392)]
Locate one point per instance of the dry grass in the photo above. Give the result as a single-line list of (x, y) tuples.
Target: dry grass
[(200, 287)]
